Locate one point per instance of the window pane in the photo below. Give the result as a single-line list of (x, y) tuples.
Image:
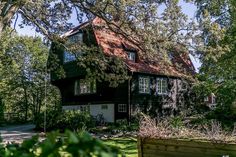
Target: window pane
[(68, 57), (85, 87), (131, 56), (122, 108), (144, 85), (76, 38), (162, 86)]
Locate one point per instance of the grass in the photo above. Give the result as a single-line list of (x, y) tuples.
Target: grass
[(128, 146)]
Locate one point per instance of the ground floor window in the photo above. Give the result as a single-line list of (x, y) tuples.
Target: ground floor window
[(85, 87), (162, 86), (122, 108), (85, 108), (144, 85), (104, 107)]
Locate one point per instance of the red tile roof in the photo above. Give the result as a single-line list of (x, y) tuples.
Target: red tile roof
[(113, 44)]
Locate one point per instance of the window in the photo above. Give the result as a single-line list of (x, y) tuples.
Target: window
[(122, 108), (85, 87), (144, 85), (69, 56), (76, 38), (104, 107), (85, 108), (162, 86), (131, 56)]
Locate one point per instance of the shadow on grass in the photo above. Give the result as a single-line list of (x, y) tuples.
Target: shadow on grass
[(127, 145)]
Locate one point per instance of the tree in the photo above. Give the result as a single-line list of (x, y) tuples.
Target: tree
[(140, 21), (218, 21), (23, 71)]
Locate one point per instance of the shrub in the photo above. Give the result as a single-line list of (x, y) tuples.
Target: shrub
[(73, 120), (224, 114), (164, 129), (58, 145)]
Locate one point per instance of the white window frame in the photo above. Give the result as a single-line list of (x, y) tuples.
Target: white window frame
[(122, 108), (162, 86), (144, 84), (131, 56), (85, 87)]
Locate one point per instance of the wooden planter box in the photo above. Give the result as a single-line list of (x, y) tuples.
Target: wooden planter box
[(183, 148)]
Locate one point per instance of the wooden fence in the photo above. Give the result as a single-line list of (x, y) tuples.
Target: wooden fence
[(183, 148)]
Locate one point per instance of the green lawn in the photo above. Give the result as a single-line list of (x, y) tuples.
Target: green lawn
[(127, 145)]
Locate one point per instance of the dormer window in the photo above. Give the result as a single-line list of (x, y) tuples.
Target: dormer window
[(78, 37), (73, 39), (131, 56)]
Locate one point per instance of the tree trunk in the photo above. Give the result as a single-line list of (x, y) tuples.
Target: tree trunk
[(7, 12)]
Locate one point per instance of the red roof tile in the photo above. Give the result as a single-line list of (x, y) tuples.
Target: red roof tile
[(113, 44)]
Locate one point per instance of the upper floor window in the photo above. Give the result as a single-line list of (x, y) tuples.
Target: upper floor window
[(162, 86), (131, 56), (85, 87), (78, 37), (144, 85), (68, 56)]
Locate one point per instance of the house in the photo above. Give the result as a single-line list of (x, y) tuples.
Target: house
[(153, 87), (210, 101)]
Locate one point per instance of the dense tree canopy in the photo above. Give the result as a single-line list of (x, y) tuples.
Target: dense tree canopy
[(23, 63), (145, 23), (219, 67)]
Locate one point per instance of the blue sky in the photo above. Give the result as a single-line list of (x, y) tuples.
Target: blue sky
[(188, 8)]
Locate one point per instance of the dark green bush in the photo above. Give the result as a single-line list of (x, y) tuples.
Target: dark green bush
[(61, 120), (224, 114), (60, 145)]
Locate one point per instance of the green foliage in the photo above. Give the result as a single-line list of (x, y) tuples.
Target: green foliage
[(177, 122), (60, 145), (61, 120), (23, 63), (218, 69), (127, 145), (224, 114)]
